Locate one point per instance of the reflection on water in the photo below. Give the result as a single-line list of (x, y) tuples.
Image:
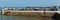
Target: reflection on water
[(19, 18)]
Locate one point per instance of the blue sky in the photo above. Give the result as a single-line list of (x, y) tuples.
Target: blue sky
[(25, 3)]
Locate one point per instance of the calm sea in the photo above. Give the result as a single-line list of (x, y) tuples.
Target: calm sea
[(18, 18)]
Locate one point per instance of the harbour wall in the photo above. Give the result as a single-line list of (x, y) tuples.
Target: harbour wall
[(49, 14)]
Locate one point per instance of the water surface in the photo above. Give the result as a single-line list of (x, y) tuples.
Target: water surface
[(18, 18)]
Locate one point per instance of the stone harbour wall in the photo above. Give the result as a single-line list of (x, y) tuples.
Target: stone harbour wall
[(28, 14)]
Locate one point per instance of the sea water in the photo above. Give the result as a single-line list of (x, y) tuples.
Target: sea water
[(18, 18)]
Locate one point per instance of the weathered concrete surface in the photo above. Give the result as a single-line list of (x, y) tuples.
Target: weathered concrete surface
[(48, 15), (29, 14)]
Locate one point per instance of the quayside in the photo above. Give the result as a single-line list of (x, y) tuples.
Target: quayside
[(30, 11)]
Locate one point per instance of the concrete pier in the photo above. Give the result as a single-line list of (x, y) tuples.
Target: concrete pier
[(29, 13)]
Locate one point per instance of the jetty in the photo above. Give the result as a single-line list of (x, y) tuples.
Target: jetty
[(30, 11)]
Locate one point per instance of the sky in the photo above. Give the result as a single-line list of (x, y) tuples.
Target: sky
[(25, 3)]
